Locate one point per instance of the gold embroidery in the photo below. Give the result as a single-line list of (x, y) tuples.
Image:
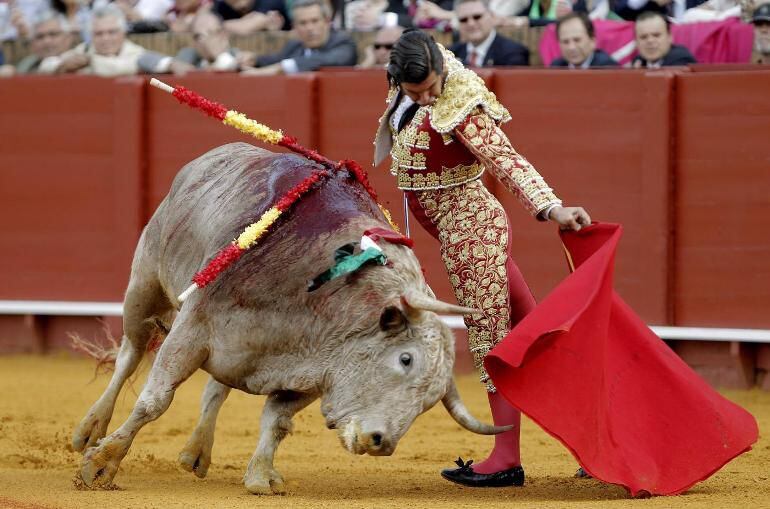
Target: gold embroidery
[(463, 91), (423, 140), (402, 155), (473, 232), (488, 142), (448, 177)]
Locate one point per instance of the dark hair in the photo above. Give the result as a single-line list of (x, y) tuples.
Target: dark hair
[(654, 14), (582, 16), (59, 6), (413, 57)]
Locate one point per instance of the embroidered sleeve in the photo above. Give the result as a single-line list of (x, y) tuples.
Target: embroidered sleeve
[(490, 145)]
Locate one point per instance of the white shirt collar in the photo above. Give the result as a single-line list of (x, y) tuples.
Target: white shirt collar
[(482, 48)]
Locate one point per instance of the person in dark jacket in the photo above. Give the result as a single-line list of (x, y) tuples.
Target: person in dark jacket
[(577, 43), (655, 44), (318, 45), (482, 46)]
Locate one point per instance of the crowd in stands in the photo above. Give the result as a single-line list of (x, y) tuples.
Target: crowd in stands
[(90, 37)]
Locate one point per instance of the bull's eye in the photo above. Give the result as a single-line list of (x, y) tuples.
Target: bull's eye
[(405, 359)]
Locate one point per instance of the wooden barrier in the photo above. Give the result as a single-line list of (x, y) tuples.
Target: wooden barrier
[(71, 156), (722, 182)]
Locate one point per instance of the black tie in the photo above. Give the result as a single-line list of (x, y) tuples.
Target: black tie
[(407, 116)]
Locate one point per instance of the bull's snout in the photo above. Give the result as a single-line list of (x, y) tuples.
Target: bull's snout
[(373, 442)]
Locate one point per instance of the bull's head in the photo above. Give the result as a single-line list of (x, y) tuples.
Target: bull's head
[(392, 371)]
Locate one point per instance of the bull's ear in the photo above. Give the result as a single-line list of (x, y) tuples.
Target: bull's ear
[(392, 319)]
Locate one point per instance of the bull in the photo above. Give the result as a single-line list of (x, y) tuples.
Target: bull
[(369, 345)]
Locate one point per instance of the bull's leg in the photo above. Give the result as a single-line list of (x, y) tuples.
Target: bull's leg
[(144, 299), (261, 478), (196, 455), (181, 354)]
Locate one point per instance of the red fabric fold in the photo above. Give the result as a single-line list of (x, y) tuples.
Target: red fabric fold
[(592, 374)]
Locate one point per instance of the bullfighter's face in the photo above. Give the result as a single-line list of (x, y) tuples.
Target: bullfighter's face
[(426, 92)]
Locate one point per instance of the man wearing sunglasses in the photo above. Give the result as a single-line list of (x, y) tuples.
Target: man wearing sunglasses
[(378, 54), (480, 44)]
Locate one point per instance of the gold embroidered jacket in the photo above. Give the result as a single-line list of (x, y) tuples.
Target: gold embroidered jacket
[(454, 140)]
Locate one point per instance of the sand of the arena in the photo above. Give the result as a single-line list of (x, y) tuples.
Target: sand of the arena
[(42, 398)]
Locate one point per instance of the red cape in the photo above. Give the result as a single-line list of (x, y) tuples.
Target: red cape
[(592, 374)]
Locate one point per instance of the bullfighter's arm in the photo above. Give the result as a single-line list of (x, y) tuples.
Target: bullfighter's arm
[(491, 146)]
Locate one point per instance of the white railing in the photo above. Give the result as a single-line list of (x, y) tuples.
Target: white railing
[(69, 308)]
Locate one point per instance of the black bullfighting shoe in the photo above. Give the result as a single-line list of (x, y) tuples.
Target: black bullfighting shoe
[(467, 477), (582, 474)]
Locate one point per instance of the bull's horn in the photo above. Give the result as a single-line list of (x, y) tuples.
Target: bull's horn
[(459, 413), (414, 300)]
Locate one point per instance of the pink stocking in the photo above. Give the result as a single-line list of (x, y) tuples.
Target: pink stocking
[(505, 454)]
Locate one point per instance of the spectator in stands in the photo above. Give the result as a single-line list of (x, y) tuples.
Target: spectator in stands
[(179, 19), (15, 17), (437, 15), (712, 10), (51, 37), (577, 43), (373, 14), (78, 14), (245, 17), (211, 48), (675, 9), (481, 45), (544, 12), (378, 54), (144, 10), (655, 44), (761, 22), (109, 54), (318, 45)]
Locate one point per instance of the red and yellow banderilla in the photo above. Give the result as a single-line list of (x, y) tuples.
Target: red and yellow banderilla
[(252, 233)]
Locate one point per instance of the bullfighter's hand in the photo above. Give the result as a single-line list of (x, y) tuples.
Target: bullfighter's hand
[(570, 218)]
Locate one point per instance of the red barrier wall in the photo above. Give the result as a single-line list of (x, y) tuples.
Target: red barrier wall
[(723, 191), (70, 207), (601, 140)]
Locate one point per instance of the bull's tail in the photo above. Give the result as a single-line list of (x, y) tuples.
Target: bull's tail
[(105, 351)]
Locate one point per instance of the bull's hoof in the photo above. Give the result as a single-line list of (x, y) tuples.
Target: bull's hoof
[(91, 429), (195, 458), (263, 480), (100, 463)]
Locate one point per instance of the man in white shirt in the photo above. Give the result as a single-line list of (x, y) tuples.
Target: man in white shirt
[(108, 54)]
